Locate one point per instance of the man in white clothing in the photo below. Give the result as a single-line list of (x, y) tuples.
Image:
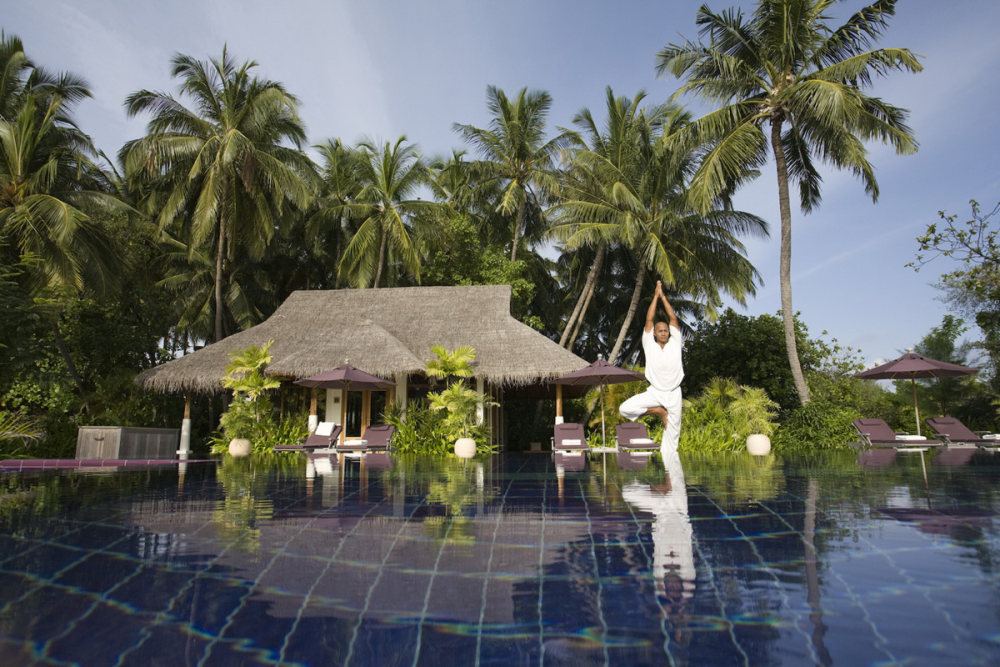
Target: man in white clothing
[(661, 345)]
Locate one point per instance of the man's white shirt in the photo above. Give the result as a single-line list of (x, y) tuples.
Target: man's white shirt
[(664, 368)]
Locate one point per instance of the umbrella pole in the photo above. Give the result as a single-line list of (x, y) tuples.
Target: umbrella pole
[(604, 438), (343, 414), (916, 410)]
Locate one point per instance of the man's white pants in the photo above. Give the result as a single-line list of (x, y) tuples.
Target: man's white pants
[(635, 407)]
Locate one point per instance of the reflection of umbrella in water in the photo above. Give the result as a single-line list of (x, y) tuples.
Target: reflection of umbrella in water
[(599, 374), (912, 366), (348, 378)]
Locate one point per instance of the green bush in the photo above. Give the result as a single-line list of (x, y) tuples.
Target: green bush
[(721, 418), (426, 431), (817, 425), (265, 433)]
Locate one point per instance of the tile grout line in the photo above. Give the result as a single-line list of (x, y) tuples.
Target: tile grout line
[(489, 566), (597, 574)]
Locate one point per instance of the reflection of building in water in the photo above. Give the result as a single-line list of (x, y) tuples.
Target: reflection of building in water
[(673, 549)]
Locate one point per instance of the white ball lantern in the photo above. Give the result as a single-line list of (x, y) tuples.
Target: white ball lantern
[(465, 448), (758, 444), (239, 447)]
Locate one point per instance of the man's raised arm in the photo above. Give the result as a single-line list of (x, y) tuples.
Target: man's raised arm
[(651, 311), (670, 310)]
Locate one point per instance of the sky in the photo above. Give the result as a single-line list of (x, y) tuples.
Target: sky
[(378, 69)]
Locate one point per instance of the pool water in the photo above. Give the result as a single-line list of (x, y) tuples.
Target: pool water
[(843, 559)]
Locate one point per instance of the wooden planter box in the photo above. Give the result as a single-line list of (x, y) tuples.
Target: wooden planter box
[(126, 442)]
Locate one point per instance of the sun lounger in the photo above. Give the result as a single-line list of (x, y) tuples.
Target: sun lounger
[(876, 433), (377, 438), (634, 436), (324, 437), (953, 431), (569, 437)]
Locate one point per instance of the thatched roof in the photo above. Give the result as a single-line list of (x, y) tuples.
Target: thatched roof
[(383, 332)]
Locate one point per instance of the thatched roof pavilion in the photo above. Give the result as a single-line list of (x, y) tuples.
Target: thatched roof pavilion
[(382, 331)]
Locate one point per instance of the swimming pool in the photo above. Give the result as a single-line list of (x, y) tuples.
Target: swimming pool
[(514, 559)]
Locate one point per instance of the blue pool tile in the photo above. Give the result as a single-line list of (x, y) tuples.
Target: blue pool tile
[(98, 572), (100, 637)]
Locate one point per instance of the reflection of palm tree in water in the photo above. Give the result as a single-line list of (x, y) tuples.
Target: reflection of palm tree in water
[(673, 548)]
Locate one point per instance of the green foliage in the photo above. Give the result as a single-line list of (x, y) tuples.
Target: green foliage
[(965, 397), (17, 434), (265, 434), (456, 363), (973, 287), (250, 405), (725, 413), (425, 431), (458, 401), (818, 425), (751, 350)]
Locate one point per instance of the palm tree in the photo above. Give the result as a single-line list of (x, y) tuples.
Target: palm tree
[(585, 191), (225, 167), (49, 184), (515, 153), (391, 176), (786, 70), (630, 190), (328, 225)]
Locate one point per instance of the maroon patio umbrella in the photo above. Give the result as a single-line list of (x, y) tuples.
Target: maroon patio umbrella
[(345, 377), (599, 374), (913, 366)]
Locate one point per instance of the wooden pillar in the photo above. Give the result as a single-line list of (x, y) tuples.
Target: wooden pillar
[(480, 389), (313, 417), (559, 407), (185, 444), (400, 391)]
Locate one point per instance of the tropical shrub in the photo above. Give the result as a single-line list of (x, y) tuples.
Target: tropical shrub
[(817, 425), (419, 431), (724, 414), (16, 434), (250, 414), (458, 401)]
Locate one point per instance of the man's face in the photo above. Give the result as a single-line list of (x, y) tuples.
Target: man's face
[(661, 333)]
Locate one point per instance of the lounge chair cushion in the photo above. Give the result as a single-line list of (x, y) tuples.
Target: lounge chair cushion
[(324, 428)]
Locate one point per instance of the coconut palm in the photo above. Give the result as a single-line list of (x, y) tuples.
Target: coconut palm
[(787, 80), (50, 187), (328, 225), (626, 188), (226, 166), (515, 155), (391, 176)]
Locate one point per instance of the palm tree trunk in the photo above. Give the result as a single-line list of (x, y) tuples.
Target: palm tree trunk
[(785, 273), (381, 256), (517, 230), (630, 315), (67, 358), (337, 249), (583, 301), (218, 277), (583, 312), (576, 313)]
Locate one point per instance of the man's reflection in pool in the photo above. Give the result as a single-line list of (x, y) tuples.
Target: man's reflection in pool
[(673, 549)]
